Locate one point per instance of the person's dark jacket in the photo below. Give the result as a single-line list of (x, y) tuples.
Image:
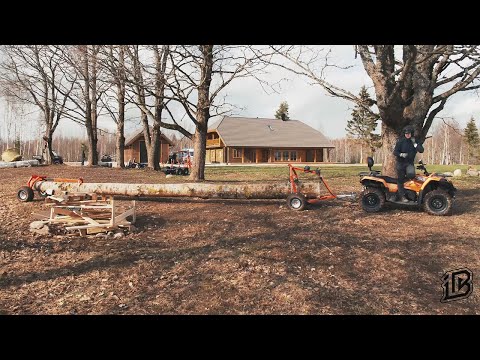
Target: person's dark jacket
[(405, 145)]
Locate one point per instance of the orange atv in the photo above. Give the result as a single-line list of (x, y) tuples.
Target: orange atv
[(433, 191)]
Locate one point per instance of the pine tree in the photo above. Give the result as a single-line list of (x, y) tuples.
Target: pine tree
[(283, 109), (363, 124), (472, 138)]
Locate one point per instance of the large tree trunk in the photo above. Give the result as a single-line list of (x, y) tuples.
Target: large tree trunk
[(203, 114), (199, 150), (390, 137), (154, 151), (94, 114), (120, 145), (90, 120), (49, 152), (121, 112), (92, 147)]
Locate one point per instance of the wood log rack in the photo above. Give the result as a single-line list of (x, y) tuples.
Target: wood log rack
[(89, 213)]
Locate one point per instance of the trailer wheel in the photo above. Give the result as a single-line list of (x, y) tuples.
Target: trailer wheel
[(296, 202), (25, 194), (185, 171)]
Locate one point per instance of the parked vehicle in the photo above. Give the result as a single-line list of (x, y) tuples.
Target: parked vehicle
[(57, 159), (106, 158), (135, 165), (184, 154), (430, 190)]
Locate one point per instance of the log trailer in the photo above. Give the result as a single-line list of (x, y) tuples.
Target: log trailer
[(297, 193)]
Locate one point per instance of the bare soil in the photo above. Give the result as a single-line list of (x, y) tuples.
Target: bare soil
[(193, 256)]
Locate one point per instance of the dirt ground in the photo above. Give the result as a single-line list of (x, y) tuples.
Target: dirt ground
[(238, 257)]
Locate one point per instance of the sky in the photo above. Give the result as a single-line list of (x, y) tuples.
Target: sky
[(308, 103)]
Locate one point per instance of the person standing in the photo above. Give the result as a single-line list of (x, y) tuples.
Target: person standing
[(405, 150)]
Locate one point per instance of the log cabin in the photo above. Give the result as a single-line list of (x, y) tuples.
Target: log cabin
[(258, 140), (136, 150)]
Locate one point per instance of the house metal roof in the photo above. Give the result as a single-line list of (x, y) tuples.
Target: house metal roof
[(261, 132), (138, 133)]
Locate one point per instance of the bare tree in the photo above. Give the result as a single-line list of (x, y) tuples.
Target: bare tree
[(412, 84), (113, 61), (83, 107), (147, 76), (33, 74), (200, 74)]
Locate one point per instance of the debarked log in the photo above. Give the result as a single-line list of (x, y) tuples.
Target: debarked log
[(200, 190)]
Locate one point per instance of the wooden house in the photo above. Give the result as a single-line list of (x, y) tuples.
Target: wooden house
[(256, 140), (136, 150)]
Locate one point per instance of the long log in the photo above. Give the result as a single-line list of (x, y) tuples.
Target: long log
[(17, 164), (200, 190)]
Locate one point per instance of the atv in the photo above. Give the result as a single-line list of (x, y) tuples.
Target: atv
[(433, 191)]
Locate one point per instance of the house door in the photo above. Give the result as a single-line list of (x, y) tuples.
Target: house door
[(250, 155), (264, 155), (219, 155), (309, 156), (143, 152)]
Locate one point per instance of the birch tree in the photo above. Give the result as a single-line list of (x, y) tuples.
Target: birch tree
[(33, 74)]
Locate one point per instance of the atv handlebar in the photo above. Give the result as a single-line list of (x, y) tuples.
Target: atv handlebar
[(369, 173), (423, 168)]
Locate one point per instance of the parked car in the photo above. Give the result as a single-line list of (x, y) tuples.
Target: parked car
[(106, 158), (57, 159)]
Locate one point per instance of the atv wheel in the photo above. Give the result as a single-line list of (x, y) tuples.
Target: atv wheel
[(438, 202), (25, 194), (296, 202), (373, 200)]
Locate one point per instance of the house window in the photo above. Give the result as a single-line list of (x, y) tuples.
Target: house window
[(237, 153), (285, 155)]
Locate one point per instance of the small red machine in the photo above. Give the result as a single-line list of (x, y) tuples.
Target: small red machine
[(25, 193)]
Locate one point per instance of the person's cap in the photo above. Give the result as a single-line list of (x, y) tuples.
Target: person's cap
[(408, 130)]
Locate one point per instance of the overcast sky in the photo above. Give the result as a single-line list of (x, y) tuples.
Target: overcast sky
[(308, 103)]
